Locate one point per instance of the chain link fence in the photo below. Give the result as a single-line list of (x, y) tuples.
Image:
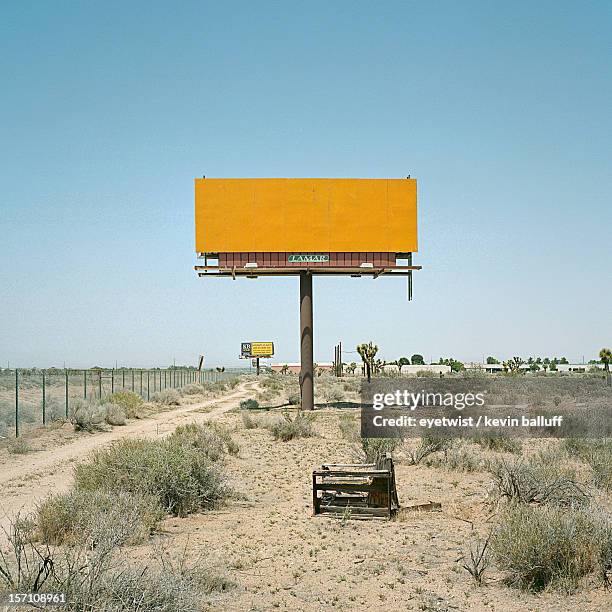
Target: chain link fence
[(30, 398)]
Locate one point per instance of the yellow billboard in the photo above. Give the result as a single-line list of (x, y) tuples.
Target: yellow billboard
[(306, 215), (257, 349)]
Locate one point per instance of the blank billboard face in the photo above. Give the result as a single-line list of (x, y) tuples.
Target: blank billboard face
[(306, 215)]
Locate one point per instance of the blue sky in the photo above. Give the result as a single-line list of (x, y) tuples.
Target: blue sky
[(110, 109)]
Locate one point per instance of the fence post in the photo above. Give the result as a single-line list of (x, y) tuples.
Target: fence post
[(16, 403), (148, 385), (100, 384), (122, 379), (66, 375), (44, 403), (85, 384), (132, 380), (140, 383), (112, 381)]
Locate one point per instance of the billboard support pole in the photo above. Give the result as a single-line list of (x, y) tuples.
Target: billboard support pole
[(257, 366), (306, 342)]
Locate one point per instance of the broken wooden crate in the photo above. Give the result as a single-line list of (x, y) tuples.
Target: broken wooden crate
[(356, 490)]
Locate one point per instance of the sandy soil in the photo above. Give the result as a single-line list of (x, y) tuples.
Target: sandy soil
[(281, 556)]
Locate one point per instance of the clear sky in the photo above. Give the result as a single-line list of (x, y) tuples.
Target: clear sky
[(502, 111)]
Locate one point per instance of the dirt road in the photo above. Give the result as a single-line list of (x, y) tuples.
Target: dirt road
[(26, 479)]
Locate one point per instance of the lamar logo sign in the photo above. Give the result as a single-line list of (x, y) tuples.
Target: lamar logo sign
[(307, 258)]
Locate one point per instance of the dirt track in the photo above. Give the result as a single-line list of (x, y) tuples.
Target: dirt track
[(26, 479)]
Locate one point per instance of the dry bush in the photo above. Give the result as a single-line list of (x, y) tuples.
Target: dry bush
[(250, 404), (595, 453), (248, 421), (538, 481), (98, 578), (113, 414), (167, 397), (372, 450), (294, 399), (131, 403), (87, 416), (286, 427), (499, 442), (193, 389), (80, 516), (541, 546), (18, 446), (459, 458), (349, 427), (476, 560), (178, 474), (429, 444), (212, 438)]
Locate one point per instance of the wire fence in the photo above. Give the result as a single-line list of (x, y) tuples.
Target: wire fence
[(31, 397)]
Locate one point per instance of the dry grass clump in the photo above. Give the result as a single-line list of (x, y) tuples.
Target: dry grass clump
[(79, 516), (287, 427), (294, 398), (167, 397), (349, 426), (113, 414), (538, 481), (99, 578), (595, 453), (18, 446), (459, 457), (498, 442), (174, 471), (131, 403), (248, 421), (429, 444), (542, 546), (193, 389), (372, 450)]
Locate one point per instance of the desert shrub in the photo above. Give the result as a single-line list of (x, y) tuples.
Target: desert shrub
[(178, 474), (248, 421), (540, 546), (286, 427), (212, 438), (348, 426), (426, 374), (499, 442), (87, 416), (98, 578), (18, 446), (82, 515), (429, 444), (595, 453), (536, 482), (250, 404), (374, 449), (333, 394), (459, 458), (167, 397), (193, 389), (294, 399), (113, 414), (131, 403), (476, 559)]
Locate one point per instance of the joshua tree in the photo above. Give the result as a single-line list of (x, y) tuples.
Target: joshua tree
[(284, 369), (367, 352), (351, 367), (513, 365), (401, 362), (605, 356)]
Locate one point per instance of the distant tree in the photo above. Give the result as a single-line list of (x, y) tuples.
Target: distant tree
[(539, 361), (553, 366), (417, 359), (605, 356), (534, 367), (367, 352), (401, 362), (284, 369), (351, 367), (563, 361), (545, 364), (454, 364), (492, 361), (513, 365)]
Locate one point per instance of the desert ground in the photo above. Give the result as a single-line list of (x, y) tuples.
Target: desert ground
[(265, 539)]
